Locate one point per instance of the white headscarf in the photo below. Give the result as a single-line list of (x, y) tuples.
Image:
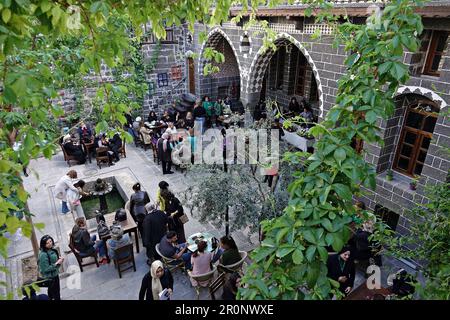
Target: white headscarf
[(156, 282), (165, 136)]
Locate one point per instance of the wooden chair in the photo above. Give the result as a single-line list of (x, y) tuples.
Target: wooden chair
[(102, 156), (170, 263), (235, 266), (67, 157), (80, 258), (216, 285), (128, 260), (209, 276), (122, 150)]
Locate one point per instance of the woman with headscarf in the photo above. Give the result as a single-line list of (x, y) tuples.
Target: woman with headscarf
[(165, 153), (155, 281), (341, 268)]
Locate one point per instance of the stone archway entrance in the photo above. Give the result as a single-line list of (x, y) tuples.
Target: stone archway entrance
[(282, 83), (226, 82)]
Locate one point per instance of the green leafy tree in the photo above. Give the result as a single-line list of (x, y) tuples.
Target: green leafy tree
[(291, 261)]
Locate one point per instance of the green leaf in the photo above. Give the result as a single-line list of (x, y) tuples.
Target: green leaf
[(371, 117), (398, 70), (323, 253), (385, 67), (352, 59), (310, 253), (343, 191), (284, 251), (309, 236), (340, 154), (327, 225), (337, 244), (6, 15), (297, 256)]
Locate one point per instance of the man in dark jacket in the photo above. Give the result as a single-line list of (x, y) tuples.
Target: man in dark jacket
[(114, 144), (165, 153), (75, 150), (155, 227)]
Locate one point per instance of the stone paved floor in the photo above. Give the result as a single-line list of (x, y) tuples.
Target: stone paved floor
[(102, 283)]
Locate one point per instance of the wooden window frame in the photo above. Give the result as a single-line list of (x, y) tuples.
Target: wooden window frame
[(417, 146), (150, 38), (432, 53), (300, 74)]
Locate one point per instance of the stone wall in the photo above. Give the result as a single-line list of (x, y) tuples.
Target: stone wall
[(327, 65)]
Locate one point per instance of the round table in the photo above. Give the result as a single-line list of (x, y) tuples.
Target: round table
[(206, 236)]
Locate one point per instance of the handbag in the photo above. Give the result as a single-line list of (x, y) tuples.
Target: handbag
[(102, 229), (184, 218)]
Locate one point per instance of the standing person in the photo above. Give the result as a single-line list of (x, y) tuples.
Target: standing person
[(165, 153), (49, 263), (189, 121), (174, 211), (199, 114), (63, 184), (208, 106), (155, 281), (73, 198), (201, 262), (155, 227), (86, 244), (342, 269), (138, 200), (160, 201)]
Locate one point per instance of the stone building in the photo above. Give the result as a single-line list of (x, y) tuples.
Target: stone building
[(309, 69)]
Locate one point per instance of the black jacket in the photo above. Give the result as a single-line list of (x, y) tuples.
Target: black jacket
[(164, 155), (155, 227), (82, 240), (199, 112), (335, 271), (146, 286)]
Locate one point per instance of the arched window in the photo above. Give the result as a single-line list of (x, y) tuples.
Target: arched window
[(415, 138)]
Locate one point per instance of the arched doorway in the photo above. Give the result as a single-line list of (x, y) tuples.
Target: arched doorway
[(226, 82), (286, 72)]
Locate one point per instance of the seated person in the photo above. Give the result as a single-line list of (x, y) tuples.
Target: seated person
[(166, 117), (84, 132), (341, 268), (152, 117), (228, 252), (189, 121), (74, 149), (230, 286), (307, 115), (171, 128), (201, 262), (146, 134), (86, 244), (294, 106), (170, 248), (103, 142), (277, 125), (115, 144), (118, 239), (31, 294), (136, 126)]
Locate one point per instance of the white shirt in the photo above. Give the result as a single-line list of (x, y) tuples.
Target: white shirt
[(62, 186), (172, 131)]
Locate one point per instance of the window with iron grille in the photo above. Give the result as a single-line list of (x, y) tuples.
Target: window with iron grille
[(277, 68), (176, 73), (415, 138), (163, 80), (149, 37), (389, 217), (436, 50)]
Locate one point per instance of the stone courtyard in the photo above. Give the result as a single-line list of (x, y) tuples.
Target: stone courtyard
[(102, 283)]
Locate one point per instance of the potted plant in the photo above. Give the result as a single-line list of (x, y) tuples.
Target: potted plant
[(389, 175), (413, 183)]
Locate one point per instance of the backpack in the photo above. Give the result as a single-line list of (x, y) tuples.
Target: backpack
[(121, 215), (102, 229)]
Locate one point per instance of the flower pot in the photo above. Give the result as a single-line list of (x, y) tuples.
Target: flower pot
[(389, 178), (412, 186)]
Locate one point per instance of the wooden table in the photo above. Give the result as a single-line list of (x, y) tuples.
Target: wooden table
[(128, 226), (363, 293)]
